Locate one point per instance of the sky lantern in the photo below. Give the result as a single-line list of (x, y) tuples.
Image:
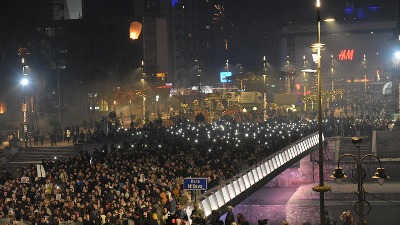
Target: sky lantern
[(3, 107), (134, 30)]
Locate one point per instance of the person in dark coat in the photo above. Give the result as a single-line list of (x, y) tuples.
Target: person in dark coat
[(214, 217), (241, 220), (181, 214), (148, 219), (230, 217)]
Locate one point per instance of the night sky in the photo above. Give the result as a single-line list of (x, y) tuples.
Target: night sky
[(253, 34), (257, 22)]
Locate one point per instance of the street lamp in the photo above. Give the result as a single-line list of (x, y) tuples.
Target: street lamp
[(380, 175), (142, 68), (24, 82), (317, 47), (157, 105), (304, 77), (241, 76), (198, 74), (287, 78), (224, 83), (365, 74), (395, 81), (264, 92), (144, 102), (333, 79), (25, 71)]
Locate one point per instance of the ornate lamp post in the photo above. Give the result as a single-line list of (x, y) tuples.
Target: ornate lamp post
[(317, 47), (264, 91), (359, 206), (321, 188)]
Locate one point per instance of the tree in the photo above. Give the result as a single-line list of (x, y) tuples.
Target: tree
[(199, 118)]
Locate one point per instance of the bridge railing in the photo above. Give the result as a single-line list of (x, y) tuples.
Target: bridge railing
[(273, 165)]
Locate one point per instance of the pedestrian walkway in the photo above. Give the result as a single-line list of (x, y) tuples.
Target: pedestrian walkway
[(299, 205), (384, 202)]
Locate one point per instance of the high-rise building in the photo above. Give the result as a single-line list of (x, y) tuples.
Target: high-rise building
[(193, 33), (80, 49)]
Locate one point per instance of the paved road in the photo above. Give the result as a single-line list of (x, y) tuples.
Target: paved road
[(301, 204), (266, 203)]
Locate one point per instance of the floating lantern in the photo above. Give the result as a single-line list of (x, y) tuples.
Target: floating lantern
[(134, 30), (3, 107)]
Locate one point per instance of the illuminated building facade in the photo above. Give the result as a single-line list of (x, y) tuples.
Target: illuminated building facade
[(359, 44)]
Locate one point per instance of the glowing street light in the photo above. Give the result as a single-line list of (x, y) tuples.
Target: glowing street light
[(24, 82), (397, 56), (329, 20)]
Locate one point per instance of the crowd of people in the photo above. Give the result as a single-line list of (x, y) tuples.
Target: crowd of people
[(357, 113), (142, 179)]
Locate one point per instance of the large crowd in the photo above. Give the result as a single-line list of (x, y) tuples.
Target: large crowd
[(138, 173), (142, 179)]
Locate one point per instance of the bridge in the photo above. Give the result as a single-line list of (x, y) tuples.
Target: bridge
[(266, 190), (235, 190)]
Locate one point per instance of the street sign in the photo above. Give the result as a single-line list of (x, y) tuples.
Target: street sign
[(195, 184)]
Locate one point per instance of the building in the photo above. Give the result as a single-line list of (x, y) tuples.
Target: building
[(79, 50), (359, 45), (193, 33)]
